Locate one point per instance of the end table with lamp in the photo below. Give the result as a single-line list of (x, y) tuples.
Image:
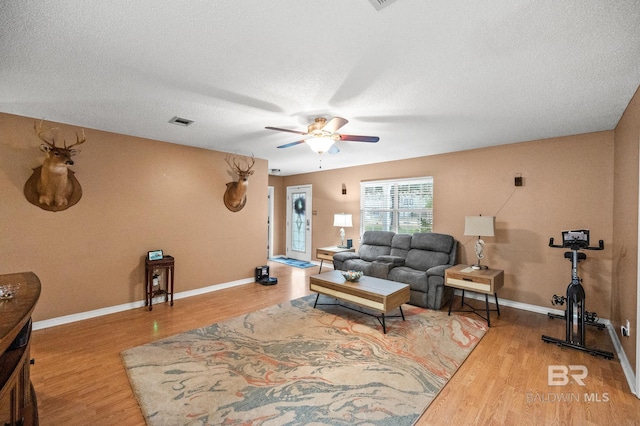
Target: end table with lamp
[(485, 281)]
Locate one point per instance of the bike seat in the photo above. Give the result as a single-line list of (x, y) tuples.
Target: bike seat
[(569, 255)]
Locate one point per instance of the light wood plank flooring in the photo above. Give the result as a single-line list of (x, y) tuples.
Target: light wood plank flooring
[(80, 380)]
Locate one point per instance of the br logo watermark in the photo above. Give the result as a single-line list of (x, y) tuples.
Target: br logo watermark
[(562, 375), (565, 375)]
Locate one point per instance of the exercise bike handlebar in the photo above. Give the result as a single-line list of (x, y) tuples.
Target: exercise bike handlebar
[(577, 245)]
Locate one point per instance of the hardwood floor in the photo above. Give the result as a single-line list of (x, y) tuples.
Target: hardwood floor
[(80, 380)]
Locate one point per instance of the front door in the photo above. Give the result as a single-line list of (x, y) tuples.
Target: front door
[(299, 222)]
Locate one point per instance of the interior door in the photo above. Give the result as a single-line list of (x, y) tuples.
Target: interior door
[(270, 222), (299, 223)]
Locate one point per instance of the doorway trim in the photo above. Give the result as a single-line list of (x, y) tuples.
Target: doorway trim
[(270, 191), (297, 254)]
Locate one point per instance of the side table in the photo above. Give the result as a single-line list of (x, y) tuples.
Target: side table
[(485, 281), (167, 262), (327, 253)]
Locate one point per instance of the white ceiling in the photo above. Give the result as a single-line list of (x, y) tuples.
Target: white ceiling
[(426, 76)]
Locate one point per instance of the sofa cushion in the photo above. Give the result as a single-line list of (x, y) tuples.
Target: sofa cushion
[(374, 244), (391, 260), (429, 250), (432, 242), (421, 260), (371, 253), (340, 258), (358, 265), (400, 245), (416, 279), (377, 238)]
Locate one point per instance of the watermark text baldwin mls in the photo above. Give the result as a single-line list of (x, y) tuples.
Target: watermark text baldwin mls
[(567, 397), (559, 375), (563, 375)]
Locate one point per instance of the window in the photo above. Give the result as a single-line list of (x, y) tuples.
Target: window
[(403, 206)]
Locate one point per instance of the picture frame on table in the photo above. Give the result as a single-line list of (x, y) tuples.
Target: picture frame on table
[(155, 255)]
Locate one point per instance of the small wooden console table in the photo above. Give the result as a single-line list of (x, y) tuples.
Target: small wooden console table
[(167, 262)]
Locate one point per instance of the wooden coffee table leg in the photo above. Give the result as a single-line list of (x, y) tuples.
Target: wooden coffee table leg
[(316, 302)]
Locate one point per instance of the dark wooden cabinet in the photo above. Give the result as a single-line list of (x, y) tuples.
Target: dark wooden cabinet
[(17, 397)]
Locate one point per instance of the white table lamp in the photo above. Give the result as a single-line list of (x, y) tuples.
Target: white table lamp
[(343, 221), (482, 226)]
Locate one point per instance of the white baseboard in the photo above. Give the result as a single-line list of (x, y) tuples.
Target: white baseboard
[(622, 356), (518, 305), (39, 325), (624, 361)]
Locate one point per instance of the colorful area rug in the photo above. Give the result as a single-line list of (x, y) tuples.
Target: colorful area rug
[(293, 364), (293, 262)]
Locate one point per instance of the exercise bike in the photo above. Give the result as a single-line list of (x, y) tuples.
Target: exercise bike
[(575, 315)]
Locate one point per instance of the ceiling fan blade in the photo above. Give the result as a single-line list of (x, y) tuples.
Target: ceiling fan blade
[(333, 150), (286, 130), (334, 124), (356, 138), (291, 144)]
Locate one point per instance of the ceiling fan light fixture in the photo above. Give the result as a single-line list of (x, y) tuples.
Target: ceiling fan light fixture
[(319, 145), (321, 135), (317, 125)]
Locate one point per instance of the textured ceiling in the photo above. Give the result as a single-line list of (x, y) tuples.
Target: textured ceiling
[(426, 76)]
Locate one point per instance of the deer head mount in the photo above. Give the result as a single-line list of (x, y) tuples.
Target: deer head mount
[(235, 197), (53, 185)]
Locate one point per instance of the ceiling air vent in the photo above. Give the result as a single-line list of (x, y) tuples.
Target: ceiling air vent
[(379, 4), (181, 121)]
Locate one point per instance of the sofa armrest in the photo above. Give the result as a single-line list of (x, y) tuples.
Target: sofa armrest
[(438, 270), (340, 258), (381, 267), (345, 255)]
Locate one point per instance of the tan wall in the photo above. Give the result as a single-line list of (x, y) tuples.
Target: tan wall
[(138, 195), (279, 206), (568, 183), (625, 220)]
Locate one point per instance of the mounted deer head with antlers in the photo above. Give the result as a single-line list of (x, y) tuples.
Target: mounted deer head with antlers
[(235, 197), (53, 183)]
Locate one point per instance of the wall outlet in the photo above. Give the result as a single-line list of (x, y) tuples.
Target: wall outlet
[(625, 329)]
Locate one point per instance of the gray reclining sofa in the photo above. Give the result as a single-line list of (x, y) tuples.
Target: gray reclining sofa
[(418, 260)]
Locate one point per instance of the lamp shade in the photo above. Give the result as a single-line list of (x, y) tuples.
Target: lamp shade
[(482, 226), (342, 220)]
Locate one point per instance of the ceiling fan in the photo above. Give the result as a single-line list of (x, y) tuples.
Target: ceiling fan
[(321, 135)]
